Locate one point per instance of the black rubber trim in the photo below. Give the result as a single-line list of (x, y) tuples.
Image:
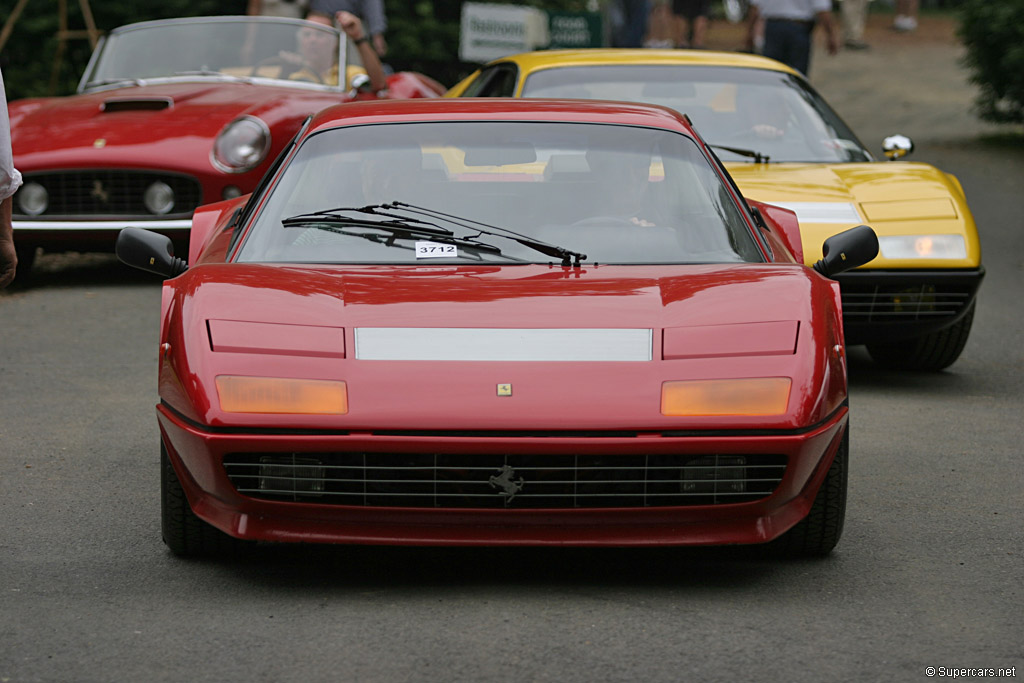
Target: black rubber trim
[(484, 433)]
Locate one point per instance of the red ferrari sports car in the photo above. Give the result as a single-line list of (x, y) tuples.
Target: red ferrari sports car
[(170, 115), (500, 322)]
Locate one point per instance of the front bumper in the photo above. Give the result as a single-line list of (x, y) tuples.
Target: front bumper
[(883, 305), (88, 235), (198, 454)]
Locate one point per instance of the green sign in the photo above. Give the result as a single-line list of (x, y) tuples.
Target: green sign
[(575, 29)]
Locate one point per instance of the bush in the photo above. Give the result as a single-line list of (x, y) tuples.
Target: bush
[(993, 33)]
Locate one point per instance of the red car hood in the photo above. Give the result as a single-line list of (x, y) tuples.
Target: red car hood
[(596, 395), (126, 126)]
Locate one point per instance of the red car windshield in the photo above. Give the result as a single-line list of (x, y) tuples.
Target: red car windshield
[(619, 194)]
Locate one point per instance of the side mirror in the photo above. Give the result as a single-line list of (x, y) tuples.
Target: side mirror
[(149, 251), (897, 146), (847, 250)]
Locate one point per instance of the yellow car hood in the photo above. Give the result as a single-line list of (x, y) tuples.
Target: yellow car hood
[(894, 198)]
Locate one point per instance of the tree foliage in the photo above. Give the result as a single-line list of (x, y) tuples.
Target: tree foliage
[(29, 56), (993, 33)]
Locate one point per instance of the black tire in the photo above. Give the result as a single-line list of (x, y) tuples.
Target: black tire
[(931, 352), (184, 533), (818, 533)]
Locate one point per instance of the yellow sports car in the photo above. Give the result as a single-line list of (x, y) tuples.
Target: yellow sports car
[(913, 305)]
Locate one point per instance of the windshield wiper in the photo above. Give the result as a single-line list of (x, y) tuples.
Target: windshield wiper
[(331, 221), (568, 257), (417, 226), (749, 153)]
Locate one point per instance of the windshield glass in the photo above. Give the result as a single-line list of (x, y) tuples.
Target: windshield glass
[(617, 194), (770, 112), (288, 50)]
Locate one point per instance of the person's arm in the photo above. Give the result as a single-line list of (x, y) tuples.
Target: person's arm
[(8, 256), (753, 14), (353, 28), (10, 180), (828, 23)]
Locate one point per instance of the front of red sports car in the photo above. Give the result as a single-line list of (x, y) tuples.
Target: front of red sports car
[(500, 323)]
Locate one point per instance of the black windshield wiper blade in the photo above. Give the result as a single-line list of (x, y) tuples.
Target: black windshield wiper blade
[(332, 217), (749, 153), (394, 232), (400, 228), (568, 257)]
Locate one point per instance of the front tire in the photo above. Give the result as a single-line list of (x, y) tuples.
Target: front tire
[(931, 352), (818, 533), (183, 532)]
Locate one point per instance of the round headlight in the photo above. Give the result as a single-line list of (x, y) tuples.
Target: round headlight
[(159, 198), (33, 199), (241, 146)]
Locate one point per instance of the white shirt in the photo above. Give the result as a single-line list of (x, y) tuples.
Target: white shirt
[(10, 179), (799, 10)]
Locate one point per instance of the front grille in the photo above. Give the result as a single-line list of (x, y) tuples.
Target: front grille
[(424, 480), (897, 303), (106, 193)]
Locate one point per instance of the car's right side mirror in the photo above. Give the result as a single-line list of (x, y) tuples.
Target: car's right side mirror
[(847, 250), (897, 147)]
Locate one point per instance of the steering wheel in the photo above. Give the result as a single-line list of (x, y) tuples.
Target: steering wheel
[(288, 67), (276, 60)]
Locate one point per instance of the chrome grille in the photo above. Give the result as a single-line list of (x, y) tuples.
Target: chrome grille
[(895, 303), (107, 192), (505, 481)]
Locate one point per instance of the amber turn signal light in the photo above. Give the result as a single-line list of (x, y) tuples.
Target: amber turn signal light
[(758, 396), (280, 395)]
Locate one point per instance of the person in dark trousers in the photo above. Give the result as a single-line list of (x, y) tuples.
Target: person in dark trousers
[(789, 29)]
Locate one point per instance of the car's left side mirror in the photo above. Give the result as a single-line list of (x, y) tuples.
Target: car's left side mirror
[(847, 250), (149, 251), (897, 146)]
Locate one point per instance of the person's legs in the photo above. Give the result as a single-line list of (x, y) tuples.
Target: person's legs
[(906, 15), (854, 14), (789, 42)]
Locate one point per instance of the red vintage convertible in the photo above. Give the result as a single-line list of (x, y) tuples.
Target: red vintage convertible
[(170, 115), (500, 322)]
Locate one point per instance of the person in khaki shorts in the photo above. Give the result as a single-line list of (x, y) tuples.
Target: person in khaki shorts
[(853, 14)]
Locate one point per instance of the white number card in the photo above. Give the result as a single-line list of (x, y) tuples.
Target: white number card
[(435, 250)]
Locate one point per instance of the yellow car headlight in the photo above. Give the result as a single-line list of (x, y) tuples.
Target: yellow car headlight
[(923, 246), (282, 396), (711, 397)]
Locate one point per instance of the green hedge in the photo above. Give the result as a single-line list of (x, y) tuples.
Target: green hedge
[(993, 32)]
